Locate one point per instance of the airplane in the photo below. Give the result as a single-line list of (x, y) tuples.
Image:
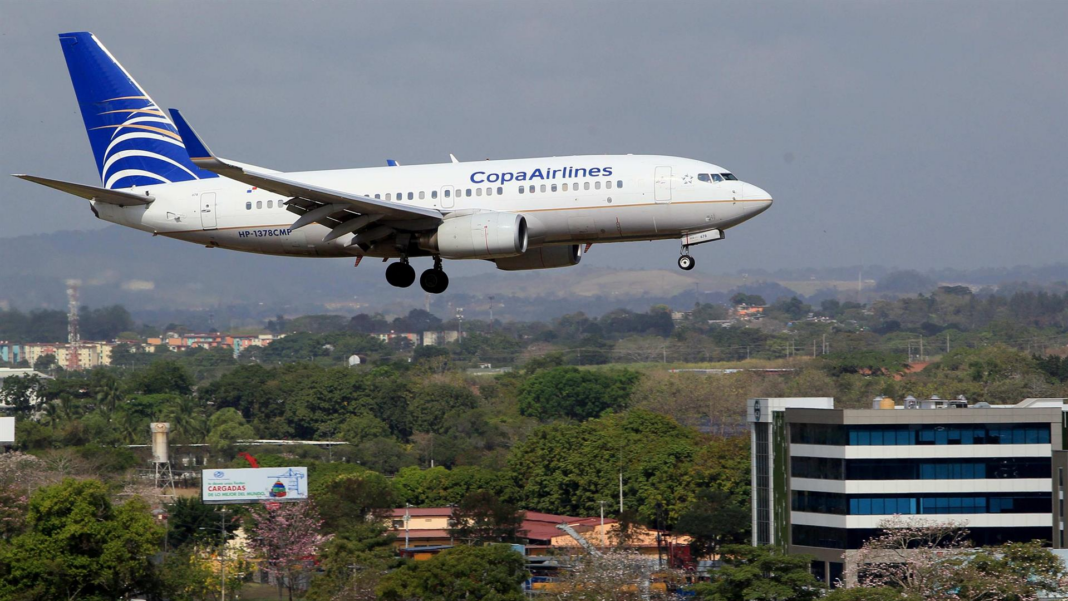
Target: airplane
[(157, 175)]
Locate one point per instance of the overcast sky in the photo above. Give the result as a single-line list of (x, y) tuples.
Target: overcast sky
[(911, 134)]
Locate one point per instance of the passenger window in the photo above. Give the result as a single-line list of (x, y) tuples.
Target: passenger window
[(574, 186), (248, 206), (554, 187), (597, 185), (500, 190), (378, 197), (619, 183), (608, 184), (565, 187), (522, 189), (388, 196), (543, 187), (422, 195), (400, 195), (586, 185), (433, 194), (411, 196), (531, 190), (270, 204), (259, 204), (447, 193), (489, 191), (469, 192), (478, 191)]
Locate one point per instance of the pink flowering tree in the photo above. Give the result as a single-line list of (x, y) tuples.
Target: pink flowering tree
[(936, 561), (286, 537)]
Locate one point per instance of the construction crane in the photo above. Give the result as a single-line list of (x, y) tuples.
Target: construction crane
[(249, 458)]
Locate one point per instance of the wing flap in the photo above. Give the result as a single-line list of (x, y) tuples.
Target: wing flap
[(111, 197)]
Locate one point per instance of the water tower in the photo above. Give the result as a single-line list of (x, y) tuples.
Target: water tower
[(161, 455)]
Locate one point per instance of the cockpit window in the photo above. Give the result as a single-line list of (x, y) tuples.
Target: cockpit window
[(703, 177), (729, 176)]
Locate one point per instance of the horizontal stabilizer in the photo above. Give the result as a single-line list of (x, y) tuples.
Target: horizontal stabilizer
[(111, 197)]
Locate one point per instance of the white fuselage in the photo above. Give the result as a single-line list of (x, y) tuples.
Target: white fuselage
[(644, 198)]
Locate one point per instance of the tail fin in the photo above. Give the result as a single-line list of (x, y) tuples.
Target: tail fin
[(134, 142)]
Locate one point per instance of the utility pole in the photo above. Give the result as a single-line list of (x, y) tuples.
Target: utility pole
[(947, 344), (921, 348), (407, 518), (603, 542), (222, 553), (621, 489)]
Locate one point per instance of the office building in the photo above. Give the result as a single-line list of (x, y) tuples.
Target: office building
[(825, 478)]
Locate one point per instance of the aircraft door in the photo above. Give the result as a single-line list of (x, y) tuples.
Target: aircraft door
[(662, 184), (207, 211), (448, 197)]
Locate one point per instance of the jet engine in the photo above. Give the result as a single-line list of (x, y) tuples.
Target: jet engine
[(487, 235), (543, 257)]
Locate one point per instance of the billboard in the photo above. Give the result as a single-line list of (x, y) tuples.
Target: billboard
[(249, 485), (7, 431)]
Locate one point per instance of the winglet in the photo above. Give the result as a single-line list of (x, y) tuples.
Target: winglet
[(392, 163), (453, 157), (197, 149)]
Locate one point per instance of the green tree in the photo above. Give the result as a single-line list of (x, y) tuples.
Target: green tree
[(353, 563), (433, 402), (493, 573), (46, 363), (577, 394), (712, 520), (20, 392), (191, 521), (351, 500), (761, 574), (884, 593), (482, 518), (227, 427), (568, 468), (162, 377), (79, 546)]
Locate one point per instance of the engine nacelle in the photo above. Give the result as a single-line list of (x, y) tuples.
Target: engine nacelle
[(487, 235), (543, 257)]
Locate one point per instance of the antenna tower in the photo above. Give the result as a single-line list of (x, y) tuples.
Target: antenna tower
[(73, 335)]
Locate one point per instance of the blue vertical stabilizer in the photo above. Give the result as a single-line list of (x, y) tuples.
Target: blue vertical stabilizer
[(134, 142)]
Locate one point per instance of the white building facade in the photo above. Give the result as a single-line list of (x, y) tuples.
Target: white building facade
[(833, 475)]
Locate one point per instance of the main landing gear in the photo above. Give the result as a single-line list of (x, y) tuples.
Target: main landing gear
[(434, 280), (402, 275)]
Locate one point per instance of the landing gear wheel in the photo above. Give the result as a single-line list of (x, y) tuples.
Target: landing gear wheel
[(686, 262), (434, 281), (400, 275)]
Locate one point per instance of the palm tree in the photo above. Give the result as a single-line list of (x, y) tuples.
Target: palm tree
[(187, 419)]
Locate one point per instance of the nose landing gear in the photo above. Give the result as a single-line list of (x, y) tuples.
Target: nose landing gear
[(686, 262), (434, 280)]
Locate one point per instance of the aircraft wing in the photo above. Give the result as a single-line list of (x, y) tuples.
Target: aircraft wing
[(113, 197), (280, 184)]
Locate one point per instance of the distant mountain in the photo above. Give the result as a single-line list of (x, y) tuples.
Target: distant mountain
[(162, 280)]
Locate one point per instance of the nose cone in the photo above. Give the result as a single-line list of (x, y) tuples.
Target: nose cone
[(754, 193)]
